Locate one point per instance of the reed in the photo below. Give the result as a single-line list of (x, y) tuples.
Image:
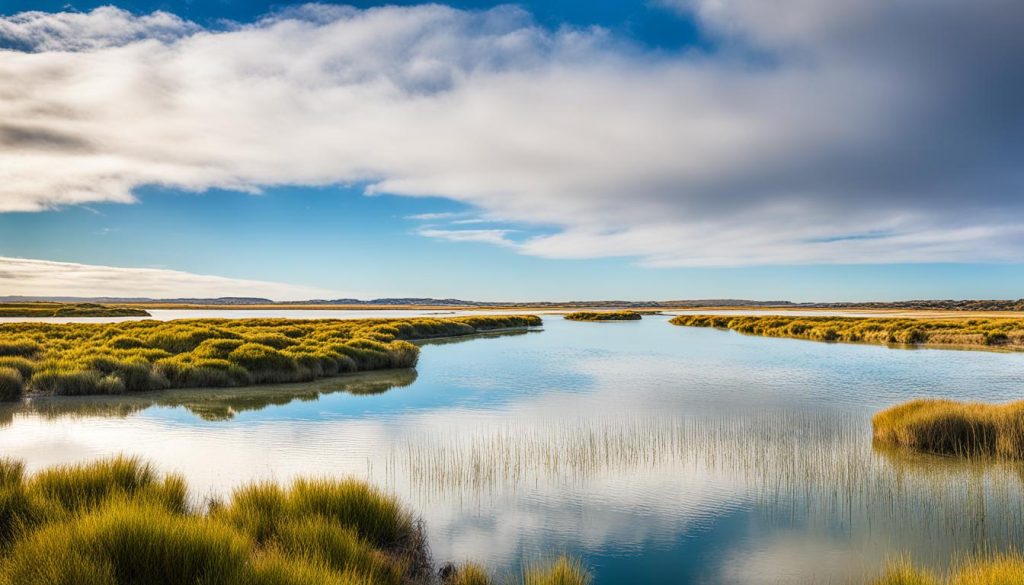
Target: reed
[(970, 333), (604, 316), (948, 427), (117, 358), (1007, 569)]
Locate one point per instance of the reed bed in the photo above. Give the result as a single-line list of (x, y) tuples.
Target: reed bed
[(1005, 569), (820, 467), (947, 427), (970, 333), (604, 316), (43, 309), (119, 522), (118, 358)]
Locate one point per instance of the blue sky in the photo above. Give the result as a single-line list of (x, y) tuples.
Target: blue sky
[(551, 151)]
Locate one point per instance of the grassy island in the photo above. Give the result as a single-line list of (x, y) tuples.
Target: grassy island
[(947, 427), (118, 358), (978, 333), (119, 522), (604, 316), (68, 310)]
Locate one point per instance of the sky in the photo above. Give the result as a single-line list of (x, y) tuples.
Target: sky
[(805, 150)]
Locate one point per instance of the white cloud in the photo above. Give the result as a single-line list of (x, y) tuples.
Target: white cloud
[(25, 277), (105, 26), (498, 237), (838, 131)]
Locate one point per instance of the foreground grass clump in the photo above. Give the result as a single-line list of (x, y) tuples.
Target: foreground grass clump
[(604, 316), (118, 522), (42, 309), (1000, 570), (948, 427), (116, 358), (1008, 333)]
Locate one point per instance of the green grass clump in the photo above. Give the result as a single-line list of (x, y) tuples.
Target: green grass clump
[(998, 570), (564, 571), (12, 384), (979, 333), (44, 309), (119, 522), (117, 358), (948, 427), (604, 316)]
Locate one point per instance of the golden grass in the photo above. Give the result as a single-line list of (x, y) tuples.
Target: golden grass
[(979, 333), (116, 358), (45, 309), (948, 427), (604, 316), (998, 570)]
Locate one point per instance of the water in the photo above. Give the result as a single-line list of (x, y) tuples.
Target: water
[(658, 454)]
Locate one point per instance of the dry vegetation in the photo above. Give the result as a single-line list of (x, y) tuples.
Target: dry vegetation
[(947, 427), (988, 333), (1000, 570), (116, 358), (604, 316), (68, 310), (118, 522)]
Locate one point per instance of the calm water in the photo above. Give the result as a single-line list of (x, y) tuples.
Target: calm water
[(656, 453)]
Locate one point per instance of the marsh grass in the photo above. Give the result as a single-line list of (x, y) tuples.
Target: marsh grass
[(821, 468), (970, 333), (563, 570), (604, 316), (1005, 569), (948, 427), (12, 384), (118, 358), (44, 309), (118, 521)]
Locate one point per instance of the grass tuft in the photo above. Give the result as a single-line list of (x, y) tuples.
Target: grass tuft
[(948, 427), (12, 385), (604, 316)]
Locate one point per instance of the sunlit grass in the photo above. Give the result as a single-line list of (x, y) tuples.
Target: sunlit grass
[(117, 358), (44, 309), (1007, 569), (988, 333), (954, 428), (604, 316)]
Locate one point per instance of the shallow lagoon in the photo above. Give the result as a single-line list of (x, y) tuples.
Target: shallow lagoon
[(656, 453)]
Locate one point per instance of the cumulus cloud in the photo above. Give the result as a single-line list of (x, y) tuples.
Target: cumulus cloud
[(25, 277), (838, 131)]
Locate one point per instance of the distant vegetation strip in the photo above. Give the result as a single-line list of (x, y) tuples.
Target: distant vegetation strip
[(68, 310), (1006, 333), (604, 316), (947, 427), (119, 522), (115, 358)]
